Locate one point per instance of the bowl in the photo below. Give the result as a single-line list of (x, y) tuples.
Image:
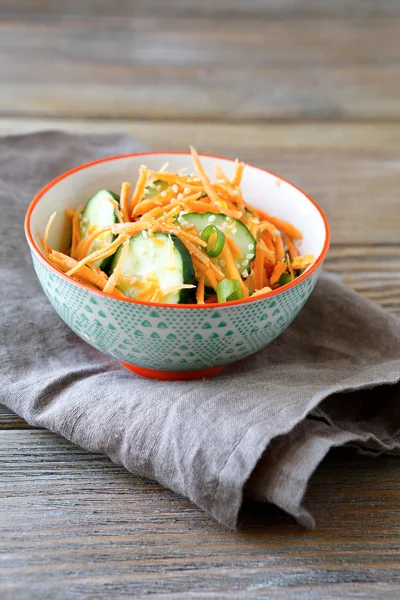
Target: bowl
[(163, 341)]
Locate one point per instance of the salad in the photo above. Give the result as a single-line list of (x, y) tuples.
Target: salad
[(176, 238)]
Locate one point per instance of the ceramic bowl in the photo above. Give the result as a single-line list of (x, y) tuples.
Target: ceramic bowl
[(165, 341)]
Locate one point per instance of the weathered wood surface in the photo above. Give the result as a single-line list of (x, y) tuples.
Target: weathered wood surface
[(83, 527), (309, 89), (185, 67)]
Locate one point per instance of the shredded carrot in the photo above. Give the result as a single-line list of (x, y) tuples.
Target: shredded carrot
[(124, 200), (258, 269), (280, 251), (232, 269), (66, 263), (279, 270), (116, 207), (47, 233), (212, 194), (283, 226), (239, 168), (200, 290), (139, 188), (117, 272), (99, 254), (267, 239), (85, 244), (236, 252), (76, 236), (276, 251), (291, 247)]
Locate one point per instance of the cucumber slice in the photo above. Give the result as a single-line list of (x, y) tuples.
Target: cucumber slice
[(99, 211), (160, 257), (231, 227), (154, 188)]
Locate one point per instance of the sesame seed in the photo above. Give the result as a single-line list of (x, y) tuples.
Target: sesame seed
[(245, 263), (251, 246), (145, 234), (222, 263), (245, 273), (180, 196), (175, 188), (133, 280), (211, 218), (234, 229), (227, 218), (187, 190), (249, 256), (163, 194)]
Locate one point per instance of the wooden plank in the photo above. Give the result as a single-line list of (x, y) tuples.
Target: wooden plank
[(350, 169), (254, 8), (201, 68), (73, 521), (9, 420)]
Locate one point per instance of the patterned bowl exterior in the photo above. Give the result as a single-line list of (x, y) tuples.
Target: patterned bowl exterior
[(169, 338)]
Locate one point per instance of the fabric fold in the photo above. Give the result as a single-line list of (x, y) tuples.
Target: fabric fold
[(261, 427)]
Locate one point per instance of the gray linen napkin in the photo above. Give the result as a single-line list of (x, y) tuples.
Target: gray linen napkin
[(261, 427)]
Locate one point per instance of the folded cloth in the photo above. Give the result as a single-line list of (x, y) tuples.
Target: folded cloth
[(260, 427)]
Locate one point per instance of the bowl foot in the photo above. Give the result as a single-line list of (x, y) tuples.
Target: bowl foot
[(171, 375)]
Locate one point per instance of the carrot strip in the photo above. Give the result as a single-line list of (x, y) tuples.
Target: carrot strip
[(115, 205), (116, 274), (267, 239), (200, 291), (47, 233), (87, 242), (212, 194), (124, 201), (280, 251), (233, 247), (279, 270), (139, 188), (283, 226), (76, 236), (258, 269), (239, 168), (291, 247), (99, 254), (69, 212), (232, 269), (66, 263)]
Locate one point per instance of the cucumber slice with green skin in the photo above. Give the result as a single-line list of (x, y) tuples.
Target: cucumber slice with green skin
[(162, 256), (100, 212), (234, 229), (154, 188)]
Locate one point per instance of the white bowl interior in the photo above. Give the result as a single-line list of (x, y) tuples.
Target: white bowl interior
[(260, 189)]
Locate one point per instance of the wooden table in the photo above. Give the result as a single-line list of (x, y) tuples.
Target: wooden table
[(309, 89)]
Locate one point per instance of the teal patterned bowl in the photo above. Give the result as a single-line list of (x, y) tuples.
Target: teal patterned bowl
[(163, 341)]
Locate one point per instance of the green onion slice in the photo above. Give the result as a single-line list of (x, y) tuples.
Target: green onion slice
[(228, 290), (219, 242), (285, 278)]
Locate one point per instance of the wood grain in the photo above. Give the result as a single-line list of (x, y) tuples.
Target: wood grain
[(46, 9), (201, 68), (80, 526)]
